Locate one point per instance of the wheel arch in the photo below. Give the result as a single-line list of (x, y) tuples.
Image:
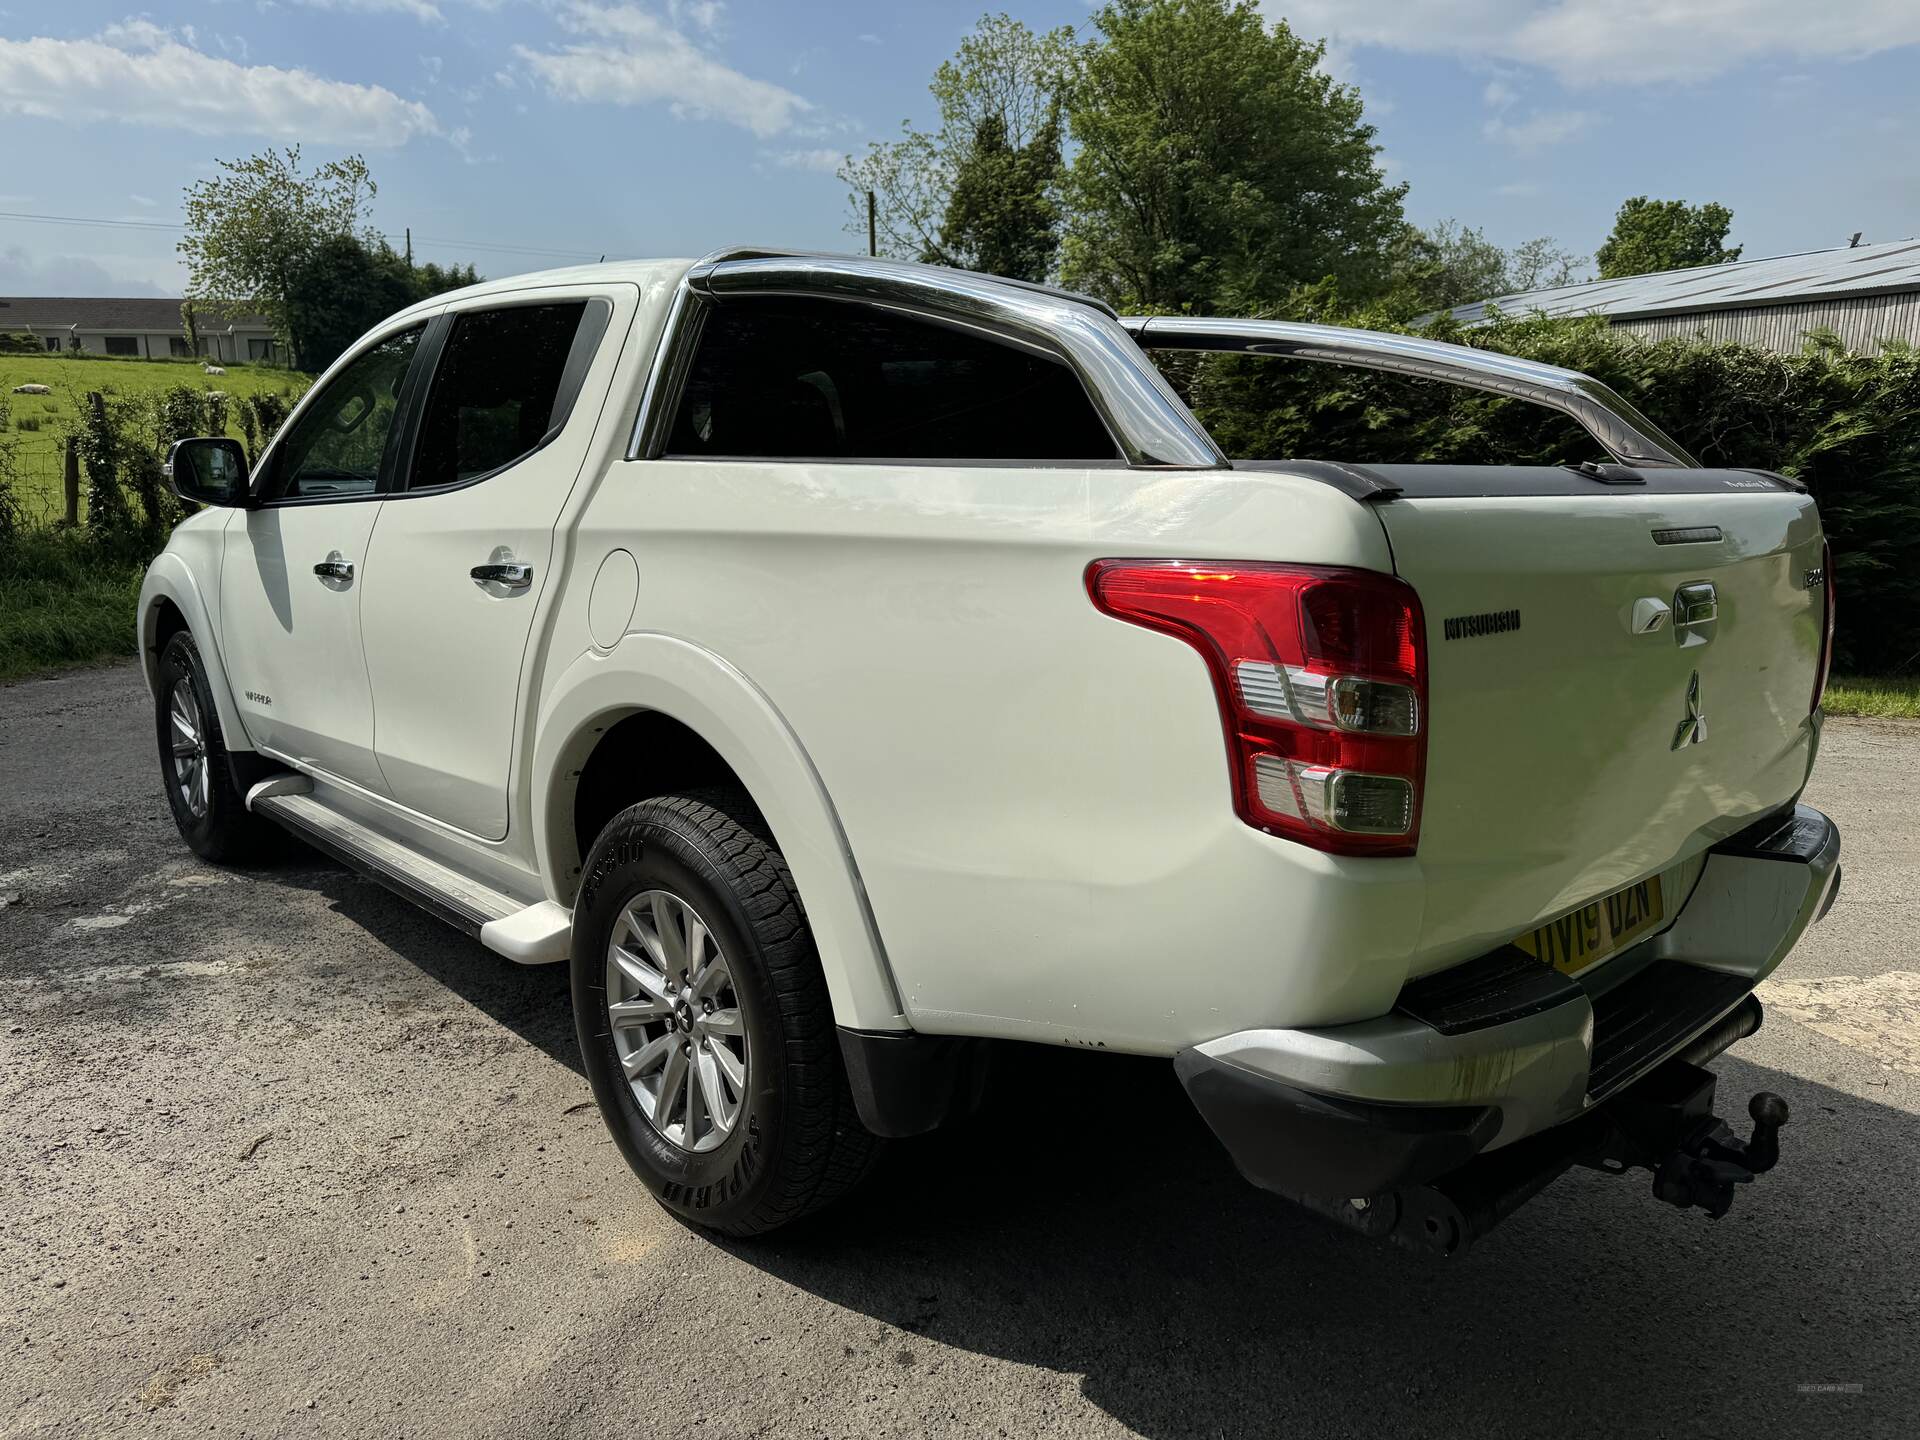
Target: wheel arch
[(661, 686), (170, 600)]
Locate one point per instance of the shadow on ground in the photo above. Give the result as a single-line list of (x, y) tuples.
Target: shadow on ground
[(1087, 1223)]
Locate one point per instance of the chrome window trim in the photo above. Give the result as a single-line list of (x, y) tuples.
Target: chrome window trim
[(1623, 431), (1148, 422)]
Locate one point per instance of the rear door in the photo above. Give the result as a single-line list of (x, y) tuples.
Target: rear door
[(464, 551)]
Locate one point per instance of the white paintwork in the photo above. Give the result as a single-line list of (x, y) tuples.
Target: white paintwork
[(292, 639), (1551, 773), (444, 654), (1008, 814)]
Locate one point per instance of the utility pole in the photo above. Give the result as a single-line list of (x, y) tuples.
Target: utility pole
[(409, 247), (873, 239)]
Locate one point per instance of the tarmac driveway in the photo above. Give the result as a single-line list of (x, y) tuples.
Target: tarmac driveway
[(282, 1155)]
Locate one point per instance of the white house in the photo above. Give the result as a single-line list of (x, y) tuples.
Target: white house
[(137, 326)]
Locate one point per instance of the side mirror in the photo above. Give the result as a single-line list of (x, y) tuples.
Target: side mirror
[(208, 471)]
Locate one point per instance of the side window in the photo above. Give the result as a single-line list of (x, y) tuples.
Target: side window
[(818, 379), (335, 447), (496, 392)]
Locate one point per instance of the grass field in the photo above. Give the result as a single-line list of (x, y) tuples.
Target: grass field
[(39, 423), (1889, 698)]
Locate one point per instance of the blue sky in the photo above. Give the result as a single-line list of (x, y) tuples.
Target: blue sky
[(663, 127)]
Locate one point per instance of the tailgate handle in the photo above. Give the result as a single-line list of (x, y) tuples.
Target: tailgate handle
[(1696, 609)]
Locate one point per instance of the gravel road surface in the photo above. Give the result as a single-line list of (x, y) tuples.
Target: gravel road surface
[(283, 1156)]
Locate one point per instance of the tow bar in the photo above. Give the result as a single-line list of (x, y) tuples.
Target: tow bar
[(1664, 1123)]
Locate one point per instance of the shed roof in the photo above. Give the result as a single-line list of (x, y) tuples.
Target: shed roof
[(1887, 268)]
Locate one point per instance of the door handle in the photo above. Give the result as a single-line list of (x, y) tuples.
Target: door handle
[(334, 570), (512, 576)]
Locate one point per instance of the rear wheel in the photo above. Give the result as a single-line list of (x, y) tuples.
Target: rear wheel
[(210, 812), (704, 1020)]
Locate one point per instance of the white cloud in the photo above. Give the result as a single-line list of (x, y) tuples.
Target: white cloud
[(630, 56), (1519, 189), (1499, 95), (823, 160), (23, 274), (1541, 129), (142, 75), (425, 11), (703, 14), (1616, 42)]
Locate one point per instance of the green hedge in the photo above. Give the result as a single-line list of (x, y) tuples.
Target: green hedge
[(1847, 426)]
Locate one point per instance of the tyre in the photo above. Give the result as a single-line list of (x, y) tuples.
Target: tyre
[(704, 1020), (211, 813)]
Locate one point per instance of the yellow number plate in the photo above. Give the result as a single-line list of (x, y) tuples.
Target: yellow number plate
[(1606, 927)]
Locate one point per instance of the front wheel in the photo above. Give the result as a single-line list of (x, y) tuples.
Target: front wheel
[(211, 813), (704, 1020)]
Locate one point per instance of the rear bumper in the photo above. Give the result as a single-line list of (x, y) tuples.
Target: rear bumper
[(1490, 1052)]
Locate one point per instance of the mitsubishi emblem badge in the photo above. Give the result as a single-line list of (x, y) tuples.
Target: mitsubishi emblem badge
[(1693, 729)]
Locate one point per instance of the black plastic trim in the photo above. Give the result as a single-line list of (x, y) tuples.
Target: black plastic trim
[(1795, 835), (1501, 986), (1659, 1012), (905, 1083), (1358, 481), (1467, 482), (1296, 1143)]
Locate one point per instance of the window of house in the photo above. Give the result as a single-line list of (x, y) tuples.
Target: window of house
[(259, 349), (496, 392), (53, 342), (123, 345), (819, 379), (177, 347), (337, 446)]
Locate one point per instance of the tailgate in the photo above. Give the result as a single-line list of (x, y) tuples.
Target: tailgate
[(1565, 756)]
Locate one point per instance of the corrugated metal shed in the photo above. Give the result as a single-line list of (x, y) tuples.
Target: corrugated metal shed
[(1867, 293)]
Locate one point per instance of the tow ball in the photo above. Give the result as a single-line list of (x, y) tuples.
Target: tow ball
[(1667, 1125), (1664, 1123)]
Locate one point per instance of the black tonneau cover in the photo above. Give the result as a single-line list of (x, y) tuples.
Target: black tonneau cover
[(1433, 482)]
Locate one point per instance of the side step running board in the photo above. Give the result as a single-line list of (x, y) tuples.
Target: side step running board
[(529, 934)]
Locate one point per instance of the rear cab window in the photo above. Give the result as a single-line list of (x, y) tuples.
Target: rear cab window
[(810, 379)]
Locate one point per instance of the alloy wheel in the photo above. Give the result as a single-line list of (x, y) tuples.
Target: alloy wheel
[(676, 1021), (187, 737)]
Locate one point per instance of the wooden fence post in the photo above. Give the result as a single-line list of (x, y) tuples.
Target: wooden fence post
[(72, 479)]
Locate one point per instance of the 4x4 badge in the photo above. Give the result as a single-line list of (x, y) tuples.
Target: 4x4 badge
[(1693, 729)]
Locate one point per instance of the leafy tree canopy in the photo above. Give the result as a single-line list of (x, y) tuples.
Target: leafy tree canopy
[(1454, 264), (981, 191), (1654, 235), (1218, 164), (251, 227), (345, 286)]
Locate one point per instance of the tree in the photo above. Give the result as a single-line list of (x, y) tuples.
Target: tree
[(250, 228), (981, 191), (1540, 264), (345, 286), (1003, 215), (1219, 165), (1454, 264), (1654, 235)]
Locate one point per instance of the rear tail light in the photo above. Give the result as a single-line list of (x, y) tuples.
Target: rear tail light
[(1826, 633), (1321, 675)]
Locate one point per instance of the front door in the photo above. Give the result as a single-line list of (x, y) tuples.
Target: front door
[(295, 567), (465, 546)]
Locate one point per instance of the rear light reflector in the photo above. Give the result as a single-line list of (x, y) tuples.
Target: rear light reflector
[(1320, 675), (1826, 631)]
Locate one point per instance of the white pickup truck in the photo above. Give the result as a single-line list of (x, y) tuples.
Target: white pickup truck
[(850, 667)]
